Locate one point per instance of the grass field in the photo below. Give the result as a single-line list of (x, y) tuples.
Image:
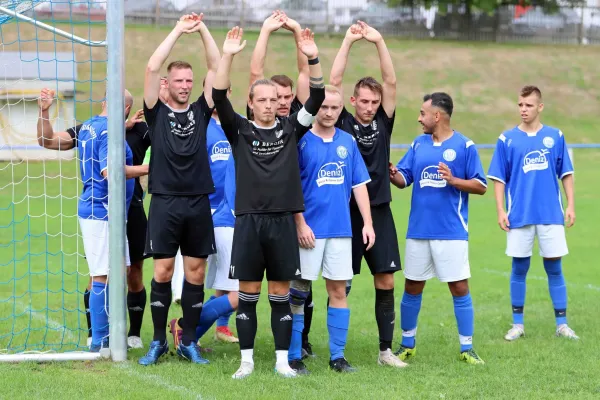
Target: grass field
[(42, 267)]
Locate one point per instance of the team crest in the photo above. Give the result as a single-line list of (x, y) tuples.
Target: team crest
[(355, 127), (548, 142), (279, 133), (449, 155), (342, 152), (374, 125)]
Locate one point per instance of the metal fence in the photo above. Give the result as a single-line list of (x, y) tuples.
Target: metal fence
[(506, 24)]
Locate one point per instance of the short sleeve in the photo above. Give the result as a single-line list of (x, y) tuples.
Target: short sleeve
[(498, 170), (474, 168), (301, 121), (151, 113), (74, 131), (203, 108), (295, 106), (360, 174), (406, 164), (103, 152), (387, 122), (564, 166)]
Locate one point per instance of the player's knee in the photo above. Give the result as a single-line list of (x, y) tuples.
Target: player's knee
[(520, 266), (336, 291), (459, 288), (414, 287), (233, 299), (100, 278), (552, 267), (299, 291), (250, 286), (384, 281)]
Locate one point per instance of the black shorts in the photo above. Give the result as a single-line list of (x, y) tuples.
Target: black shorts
[(384, 256), (137, 224), (265, 242), (180, 222)]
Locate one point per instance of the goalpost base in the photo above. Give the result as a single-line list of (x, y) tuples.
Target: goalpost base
[(104, 354)]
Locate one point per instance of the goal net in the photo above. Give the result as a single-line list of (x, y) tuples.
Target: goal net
[(43, 271)]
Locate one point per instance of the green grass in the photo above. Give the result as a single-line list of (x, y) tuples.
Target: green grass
[(42, 265)]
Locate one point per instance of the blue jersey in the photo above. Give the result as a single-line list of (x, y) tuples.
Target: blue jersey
[(219, 151), (92, 144), (224, 215), (529, 165), (329, 170), (439, 210)]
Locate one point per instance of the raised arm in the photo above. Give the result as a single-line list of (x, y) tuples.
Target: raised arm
[(186, 24), (213, 56), (257, 62), (302, 85), (46, 136), (388, 74), (338, 68)]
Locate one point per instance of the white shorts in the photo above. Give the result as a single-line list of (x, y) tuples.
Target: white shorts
[(446, 259), (217, 276), (551, 239), (95, 245), (332, 256)]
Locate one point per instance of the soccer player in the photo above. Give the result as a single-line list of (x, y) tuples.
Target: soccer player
[(525, 166), (138, 139), (331, 168), (268, 193), (371, 125), (180, 182), (447, 167)]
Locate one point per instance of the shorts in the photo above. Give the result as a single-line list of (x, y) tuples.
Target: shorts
[(333, 256), (551, 239), (384, 256), (218, 264), (265, 242), (446, 259), (95, 244), (137, 224), (180, 222)]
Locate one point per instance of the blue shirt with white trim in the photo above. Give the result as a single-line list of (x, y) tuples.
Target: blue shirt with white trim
[(529, 165), (92, 145), (439, 210), (219, 151), (224, 215), (329, 170)]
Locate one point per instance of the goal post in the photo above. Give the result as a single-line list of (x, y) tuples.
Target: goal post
[(43, 271)]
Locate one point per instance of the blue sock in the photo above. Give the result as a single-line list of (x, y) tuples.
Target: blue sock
[(557, 288), (520, 266), (99, 312), (409, 314), (338, 321), (224, 319), (463, 310), (211, 311), (295, 351)]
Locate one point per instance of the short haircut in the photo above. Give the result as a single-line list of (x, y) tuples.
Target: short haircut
[(259, 82), (529, 90), (332, 89), (283, 80), (179, 65), (368, 83), (440, 100)]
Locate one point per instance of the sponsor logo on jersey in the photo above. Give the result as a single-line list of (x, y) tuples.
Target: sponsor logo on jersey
[(430, 177), (279, 133), (331, 174), (535, 161), (449, 155), (220, 151), (90, 128), (342, 152), (548, 142)]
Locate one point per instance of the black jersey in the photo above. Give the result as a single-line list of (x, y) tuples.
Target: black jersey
[(138, 139), (374, 144), (179, 161)]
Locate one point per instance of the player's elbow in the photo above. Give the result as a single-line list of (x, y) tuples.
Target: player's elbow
[(480, 189), (335, 80)]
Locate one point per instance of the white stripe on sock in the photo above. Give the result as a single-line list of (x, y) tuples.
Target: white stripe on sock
[(410, 333)]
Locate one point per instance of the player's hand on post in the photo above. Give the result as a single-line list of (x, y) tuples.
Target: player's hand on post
[(137, 117), (369, 33), (354, 33), (233, 43), (307, 44), (446, 173), (46, 98), (570, 216), (190, 23), (275, 21), (503, 221), (368, 236), (306, 237)]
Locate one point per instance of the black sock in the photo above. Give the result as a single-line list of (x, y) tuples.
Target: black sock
[(160, 301), (308, 314), (136, 304), (281, 320), (245, 319), (86, 303), (385, 316), (192, 297)]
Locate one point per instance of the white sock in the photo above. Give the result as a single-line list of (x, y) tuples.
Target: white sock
[(282, 357), (247, 356)]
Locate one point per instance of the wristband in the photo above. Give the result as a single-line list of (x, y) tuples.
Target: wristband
[(313, 61)]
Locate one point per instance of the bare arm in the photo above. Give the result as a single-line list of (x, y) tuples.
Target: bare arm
[(257, 62), (306, 237), (302, 85), (46, 136), (131, 171), (499, 188), (213, 56), (364, 206), (341, 59), (398, 180), (186, 24), (472, 186), (569, 186)]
